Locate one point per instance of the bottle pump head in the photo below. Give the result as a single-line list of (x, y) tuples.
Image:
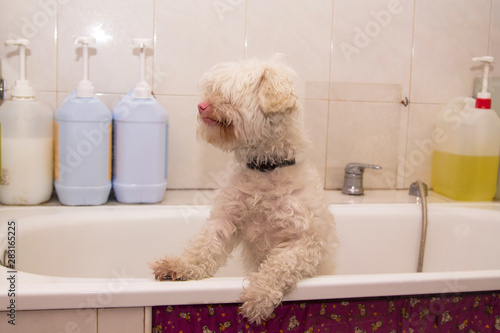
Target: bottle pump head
[(483, 100), (85, 88), (22, 88), (142, 89)]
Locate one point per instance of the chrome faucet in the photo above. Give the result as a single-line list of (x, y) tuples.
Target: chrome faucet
[(353, 177)]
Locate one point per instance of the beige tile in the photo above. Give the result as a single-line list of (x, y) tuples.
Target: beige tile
[(123, 320), (50, 321), (114, 65), (48, 98), (301, 31), (36, 21), (316, 126), (418, 157), (402, 143), (372, 45), (365, 133), (494, 44), (191, 37), (446, 38), (366, 92)]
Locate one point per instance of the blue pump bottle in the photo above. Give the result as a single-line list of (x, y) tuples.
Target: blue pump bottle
[(140, 143), (83, 131)]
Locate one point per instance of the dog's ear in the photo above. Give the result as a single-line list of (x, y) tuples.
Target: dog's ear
[(277, 91)]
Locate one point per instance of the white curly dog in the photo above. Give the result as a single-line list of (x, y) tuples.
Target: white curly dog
[(274, 203)]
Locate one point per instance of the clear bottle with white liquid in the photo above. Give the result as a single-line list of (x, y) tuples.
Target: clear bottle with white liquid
[(26, 142)]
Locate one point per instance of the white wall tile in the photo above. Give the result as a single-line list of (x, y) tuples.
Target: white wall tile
[(366, 92), (402, 141), (316, 126), (35, 21), (191, 37), (363, 132), (372, 43), (447, 36), (301, 31), (418, 156), (114, 65), (48, 98), (494, 42)]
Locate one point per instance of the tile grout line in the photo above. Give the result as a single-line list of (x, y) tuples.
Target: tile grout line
[(402, 182), (325, 174)]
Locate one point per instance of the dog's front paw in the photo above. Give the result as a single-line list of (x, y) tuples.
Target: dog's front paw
[(169, 268), (257, 307)]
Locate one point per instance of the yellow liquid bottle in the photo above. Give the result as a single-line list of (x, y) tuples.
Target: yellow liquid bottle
[(463, 177), (467, 146)]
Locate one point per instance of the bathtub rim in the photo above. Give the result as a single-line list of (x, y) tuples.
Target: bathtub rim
[(38, 292)]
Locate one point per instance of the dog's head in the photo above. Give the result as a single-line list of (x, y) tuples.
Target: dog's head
[(251, 108)]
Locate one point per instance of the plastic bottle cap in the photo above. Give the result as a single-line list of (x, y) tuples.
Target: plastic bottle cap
[(483, 103), (142, 90), (23, 89), (85, 89)]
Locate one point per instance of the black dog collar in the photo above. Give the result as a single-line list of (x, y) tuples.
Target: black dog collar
[(269, 166)]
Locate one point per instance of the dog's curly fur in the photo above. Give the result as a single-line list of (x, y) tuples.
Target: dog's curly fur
[(278, 215)]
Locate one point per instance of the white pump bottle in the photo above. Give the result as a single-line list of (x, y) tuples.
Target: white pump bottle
[(140, 143), (83, 143), (26, 142)]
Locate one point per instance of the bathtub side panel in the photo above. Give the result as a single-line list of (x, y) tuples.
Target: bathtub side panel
[(49, 321), (462, 239)]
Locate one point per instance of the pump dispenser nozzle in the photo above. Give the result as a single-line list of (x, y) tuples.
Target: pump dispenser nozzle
[(483, 100), (85, 88), (142, 89), (22, 88)]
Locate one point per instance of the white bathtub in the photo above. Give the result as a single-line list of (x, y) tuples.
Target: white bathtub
[(96, 257)]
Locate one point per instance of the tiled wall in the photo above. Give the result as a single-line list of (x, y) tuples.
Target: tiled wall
[(356, 61)]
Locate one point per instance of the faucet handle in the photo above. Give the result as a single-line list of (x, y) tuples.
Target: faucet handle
[(359, 168)]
